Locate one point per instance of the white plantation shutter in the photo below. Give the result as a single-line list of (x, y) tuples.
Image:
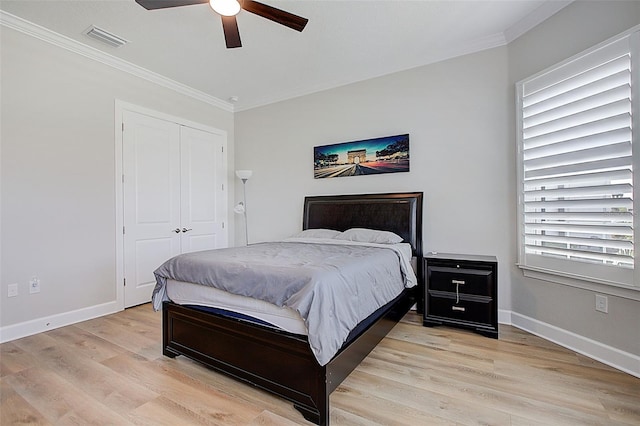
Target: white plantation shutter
[(576, 159)]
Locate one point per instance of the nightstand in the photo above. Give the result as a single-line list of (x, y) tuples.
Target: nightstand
[(461, 291)]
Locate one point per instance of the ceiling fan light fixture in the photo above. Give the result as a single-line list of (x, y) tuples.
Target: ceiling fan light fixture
[(225, 7)]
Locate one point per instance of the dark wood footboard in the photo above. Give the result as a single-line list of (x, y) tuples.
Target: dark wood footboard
[(276, 361)]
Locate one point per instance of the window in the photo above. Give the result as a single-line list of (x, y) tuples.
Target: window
[(576, 165)]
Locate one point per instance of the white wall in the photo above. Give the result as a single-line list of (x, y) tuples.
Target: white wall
[(58, 174), (456, 113)]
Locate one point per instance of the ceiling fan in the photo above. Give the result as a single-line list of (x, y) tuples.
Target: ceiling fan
[(228, 9)]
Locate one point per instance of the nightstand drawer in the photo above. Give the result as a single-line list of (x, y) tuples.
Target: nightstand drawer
[(463, 280), (469, 309)]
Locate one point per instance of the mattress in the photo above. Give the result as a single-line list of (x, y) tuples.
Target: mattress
[(185, 293)]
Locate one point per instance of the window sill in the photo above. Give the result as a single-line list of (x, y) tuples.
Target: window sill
[(626, 292)]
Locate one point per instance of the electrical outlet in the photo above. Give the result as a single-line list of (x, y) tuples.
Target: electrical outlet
[(602, 303), (12, 290), (34, 285)]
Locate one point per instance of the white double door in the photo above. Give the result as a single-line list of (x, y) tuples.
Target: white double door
[(173, 197)]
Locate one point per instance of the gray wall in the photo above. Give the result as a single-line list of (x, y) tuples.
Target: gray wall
[(460, 115), (58, 172), (456, 113), (571, 31), (57, 209)]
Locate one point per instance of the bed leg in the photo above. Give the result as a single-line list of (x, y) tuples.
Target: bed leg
[(168, 352), (308, 414), (319, 417), (317, 413), (324, 413)]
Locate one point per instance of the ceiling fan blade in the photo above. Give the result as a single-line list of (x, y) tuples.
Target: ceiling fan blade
[(276, 15), (231, 32), (163, 4)]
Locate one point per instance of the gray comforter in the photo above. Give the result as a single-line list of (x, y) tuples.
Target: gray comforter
[(332, 285)]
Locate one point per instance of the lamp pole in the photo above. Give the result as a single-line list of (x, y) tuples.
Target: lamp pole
[(244, 176), (244, 198)]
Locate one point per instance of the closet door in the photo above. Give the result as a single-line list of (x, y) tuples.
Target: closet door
[(202, 206), (173, 197), (152, 231)]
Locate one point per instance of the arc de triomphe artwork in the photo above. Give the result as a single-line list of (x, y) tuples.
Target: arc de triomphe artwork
[(356, 156)]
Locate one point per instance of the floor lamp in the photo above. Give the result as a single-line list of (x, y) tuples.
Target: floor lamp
[(241, 207)]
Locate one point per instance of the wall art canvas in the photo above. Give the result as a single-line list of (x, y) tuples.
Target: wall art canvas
[(389, 154)]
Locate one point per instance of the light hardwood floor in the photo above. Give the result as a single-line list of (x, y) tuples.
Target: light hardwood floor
[(111, 370)]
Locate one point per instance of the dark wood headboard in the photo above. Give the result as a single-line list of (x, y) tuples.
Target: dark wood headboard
[(400, 213)]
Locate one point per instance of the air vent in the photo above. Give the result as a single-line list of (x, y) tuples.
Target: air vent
[(104, 36)]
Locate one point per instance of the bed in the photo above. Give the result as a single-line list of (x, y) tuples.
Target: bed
[(282, 362)]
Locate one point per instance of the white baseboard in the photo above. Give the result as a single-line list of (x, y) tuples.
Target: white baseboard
[(28, 328), (624, 361), (504, 317)]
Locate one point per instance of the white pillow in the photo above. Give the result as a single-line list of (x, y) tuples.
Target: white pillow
[(317, 233), (364, 235)]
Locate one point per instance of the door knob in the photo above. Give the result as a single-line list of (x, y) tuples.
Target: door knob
[(186, 230), (177, 230)]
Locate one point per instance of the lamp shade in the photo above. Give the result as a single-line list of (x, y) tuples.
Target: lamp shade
[(244, 174), (225, 7)]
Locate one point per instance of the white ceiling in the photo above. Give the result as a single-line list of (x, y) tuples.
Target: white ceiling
[(344, 41)]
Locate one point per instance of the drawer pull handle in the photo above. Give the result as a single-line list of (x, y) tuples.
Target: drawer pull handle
[(458, 283), (458, 308)]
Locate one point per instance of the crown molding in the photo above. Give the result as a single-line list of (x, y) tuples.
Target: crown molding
[(29, 28), (545, 11)]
